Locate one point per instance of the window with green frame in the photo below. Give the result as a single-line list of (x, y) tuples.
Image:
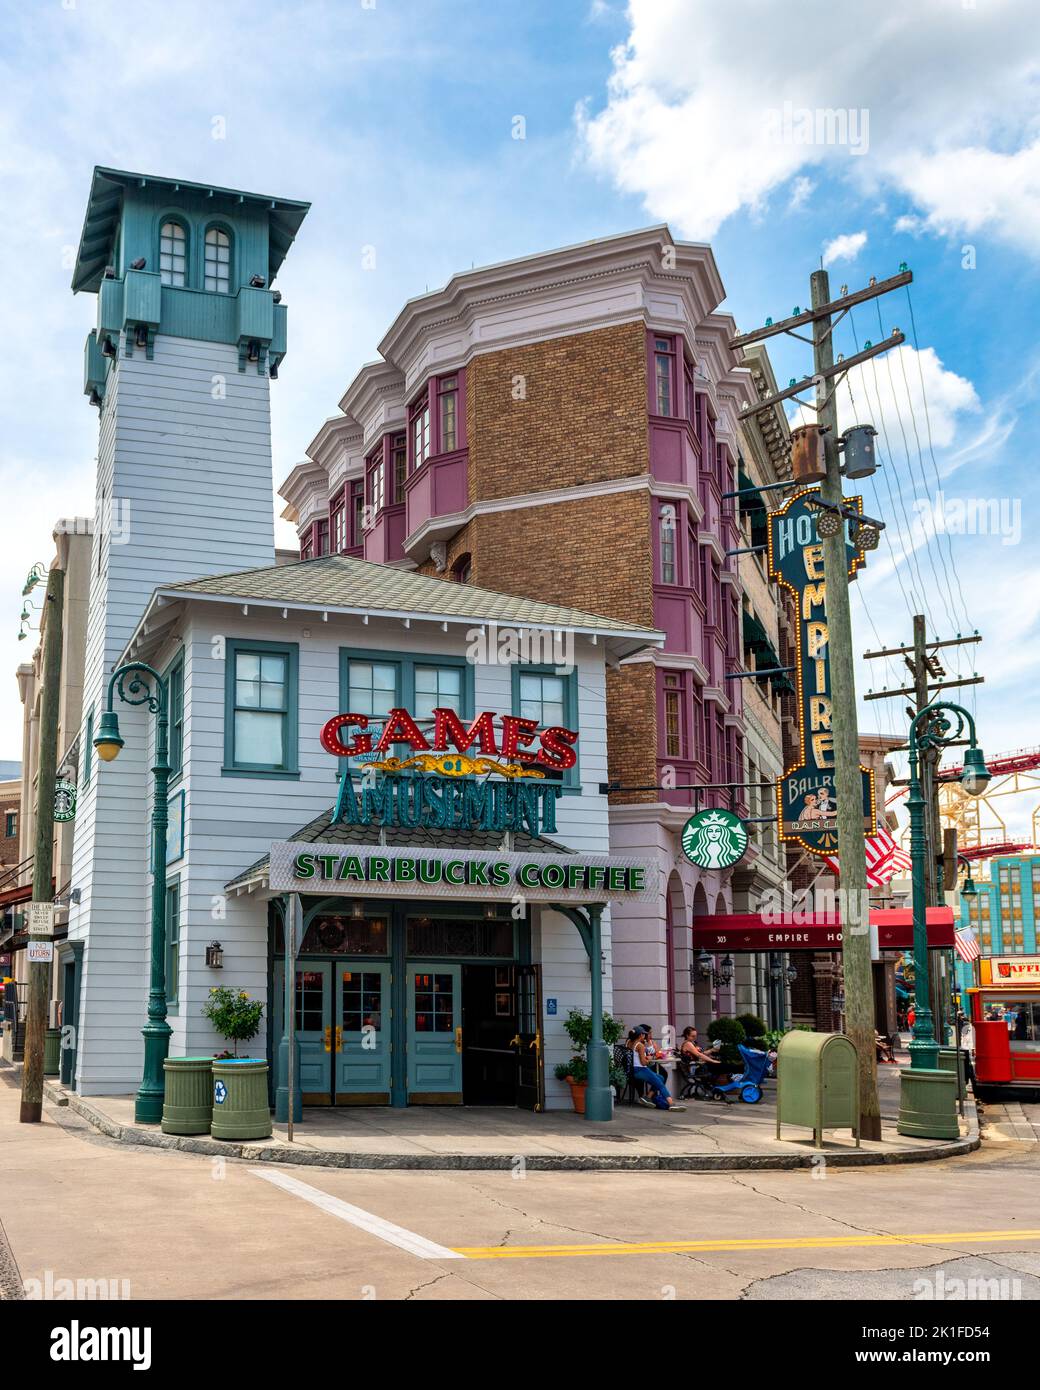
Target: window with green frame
[(544, 694), (373, 683), (261, 709), (173, 942), (175, 704), (88, 746)]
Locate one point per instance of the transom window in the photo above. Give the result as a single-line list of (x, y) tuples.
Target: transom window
[(218, 261), (173, 254), (261, 713), (437, 687)]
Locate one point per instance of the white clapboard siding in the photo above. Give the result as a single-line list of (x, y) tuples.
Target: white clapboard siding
[(183, 490)]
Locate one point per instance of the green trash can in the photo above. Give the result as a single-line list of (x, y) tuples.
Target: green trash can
[(240, 1105), (188, 1099), (52, 1052), (817, 1083)]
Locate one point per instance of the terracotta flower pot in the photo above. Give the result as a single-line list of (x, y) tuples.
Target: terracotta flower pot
[(577, 1094)]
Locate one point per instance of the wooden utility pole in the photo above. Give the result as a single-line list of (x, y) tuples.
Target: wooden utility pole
[(848, 779), (823, 316), (922, 664), (43, 851)]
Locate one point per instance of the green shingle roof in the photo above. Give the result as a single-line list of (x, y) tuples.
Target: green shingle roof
[(339, 581)]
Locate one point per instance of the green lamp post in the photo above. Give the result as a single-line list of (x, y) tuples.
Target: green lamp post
[(139, 684), (927, 1105)]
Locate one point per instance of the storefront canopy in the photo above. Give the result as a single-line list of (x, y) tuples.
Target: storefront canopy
[(801, 931)]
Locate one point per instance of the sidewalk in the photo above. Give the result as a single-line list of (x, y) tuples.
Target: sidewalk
[(707, 1135)]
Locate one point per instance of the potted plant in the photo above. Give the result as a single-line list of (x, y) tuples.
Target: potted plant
[(728, 1032), (575, 1072), (234, 1015)]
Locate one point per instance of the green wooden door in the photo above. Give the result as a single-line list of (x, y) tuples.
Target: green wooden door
[(434, 1030), (362, 1033), (314, 1032)]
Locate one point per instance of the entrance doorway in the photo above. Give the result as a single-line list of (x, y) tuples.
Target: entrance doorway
[(342, 1032)]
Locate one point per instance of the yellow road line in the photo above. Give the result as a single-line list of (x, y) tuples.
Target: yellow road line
[(667, 1247)]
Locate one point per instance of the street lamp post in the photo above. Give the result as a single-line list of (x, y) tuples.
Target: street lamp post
[(925, 1107), (139, 684)]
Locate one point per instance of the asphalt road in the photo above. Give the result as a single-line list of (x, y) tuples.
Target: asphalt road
[(152, 1223)]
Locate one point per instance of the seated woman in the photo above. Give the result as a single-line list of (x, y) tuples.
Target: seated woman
[(697, 1056), (643, 1072), (884, 1048)]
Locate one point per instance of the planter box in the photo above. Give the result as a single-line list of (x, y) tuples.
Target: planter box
[(240, 1108), (188, 1102)]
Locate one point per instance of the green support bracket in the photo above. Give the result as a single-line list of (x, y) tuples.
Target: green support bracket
[(599, 1098)]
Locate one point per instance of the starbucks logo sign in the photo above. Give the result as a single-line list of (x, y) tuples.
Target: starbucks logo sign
[(714, 839), (64, 800)]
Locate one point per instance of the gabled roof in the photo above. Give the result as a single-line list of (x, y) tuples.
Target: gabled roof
[(340, 581), (105, 205)]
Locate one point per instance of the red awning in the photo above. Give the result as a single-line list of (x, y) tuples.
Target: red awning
[(754, 931)]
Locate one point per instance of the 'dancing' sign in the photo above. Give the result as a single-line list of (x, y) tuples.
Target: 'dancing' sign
[(806, 803)]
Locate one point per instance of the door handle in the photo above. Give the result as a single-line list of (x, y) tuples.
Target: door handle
[(339, 1038), (537, 1044), (458, 1039), (328, 1039), (516, 1042)]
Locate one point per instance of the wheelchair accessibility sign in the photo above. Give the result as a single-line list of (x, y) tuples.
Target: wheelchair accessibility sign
[(219, 1093)]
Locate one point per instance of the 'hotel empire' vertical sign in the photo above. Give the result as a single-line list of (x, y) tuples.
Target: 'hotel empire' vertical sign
[(806, 793)]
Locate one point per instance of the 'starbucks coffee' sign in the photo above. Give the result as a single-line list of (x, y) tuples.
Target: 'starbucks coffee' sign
[(714, 839), (806, 802)]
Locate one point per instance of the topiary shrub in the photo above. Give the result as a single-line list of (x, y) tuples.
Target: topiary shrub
[(753, 1026), (728, 1032)]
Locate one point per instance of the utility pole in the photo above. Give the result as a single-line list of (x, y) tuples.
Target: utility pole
[(43, 851), (927, 673), (823, 316)]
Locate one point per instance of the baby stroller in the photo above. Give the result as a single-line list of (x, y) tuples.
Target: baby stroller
[(749, 1083), (698, 1080)]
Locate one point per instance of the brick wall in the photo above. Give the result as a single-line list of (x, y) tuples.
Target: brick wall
[(8, 843), (558, 413)]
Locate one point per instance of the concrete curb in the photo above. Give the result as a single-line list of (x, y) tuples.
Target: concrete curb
[(261, 1152)]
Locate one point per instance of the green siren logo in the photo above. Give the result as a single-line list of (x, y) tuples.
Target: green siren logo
[(714, 839)]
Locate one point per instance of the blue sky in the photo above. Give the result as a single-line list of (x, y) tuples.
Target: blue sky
[(396, 118)]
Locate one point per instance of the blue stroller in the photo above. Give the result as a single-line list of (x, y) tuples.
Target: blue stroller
[(749, 1082)]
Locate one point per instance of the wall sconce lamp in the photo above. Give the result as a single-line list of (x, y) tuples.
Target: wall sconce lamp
[(215, 955)]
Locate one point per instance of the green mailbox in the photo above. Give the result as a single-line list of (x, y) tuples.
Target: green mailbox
[(817, 1083)]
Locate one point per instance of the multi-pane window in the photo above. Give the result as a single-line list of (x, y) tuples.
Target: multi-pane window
[(362, 1001), (448, 403), (420, 424), (377, 484), (373, 687), (462, 569), (11, 824), (307, 545), (217, 276), (321, 537), (434, 1003), (175, 699), (399, 464), (543, 697), (173, 254), (357, 512), (173, 941), (262, 708), (338, 529), (437, 687), (667, 543), (310, 1001), (673, 723), (664, 369)]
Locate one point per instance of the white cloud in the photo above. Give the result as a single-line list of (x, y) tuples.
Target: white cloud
[(711, 109), (801, 191), (844, 248)]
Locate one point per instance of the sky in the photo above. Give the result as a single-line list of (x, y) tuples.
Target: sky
[(433, 135)]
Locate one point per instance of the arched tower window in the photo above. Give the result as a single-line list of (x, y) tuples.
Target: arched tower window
[(173, 254), (218, 261)]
